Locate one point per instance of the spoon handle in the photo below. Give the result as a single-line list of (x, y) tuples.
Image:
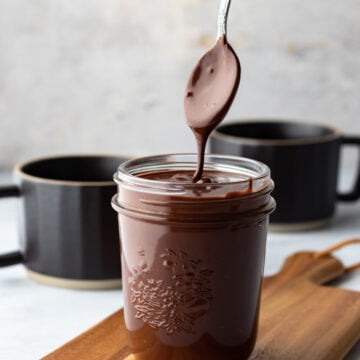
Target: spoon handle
[(222, 17)]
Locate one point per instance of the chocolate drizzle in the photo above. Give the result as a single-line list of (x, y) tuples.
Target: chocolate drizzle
[(209, 94)]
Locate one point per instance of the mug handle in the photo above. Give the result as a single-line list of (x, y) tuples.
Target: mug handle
[(13, 257), (353, 194)]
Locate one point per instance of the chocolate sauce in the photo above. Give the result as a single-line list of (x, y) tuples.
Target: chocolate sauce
[(192, 263), (211, 177), (185, 176), (209, 94)]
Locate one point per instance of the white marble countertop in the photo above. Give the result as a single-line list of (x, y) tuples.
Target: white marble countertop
[(36, 319)]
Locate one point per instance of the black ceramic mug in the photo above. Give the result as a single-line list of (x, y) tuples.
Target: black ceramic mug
[(68, 231), (304, 163)]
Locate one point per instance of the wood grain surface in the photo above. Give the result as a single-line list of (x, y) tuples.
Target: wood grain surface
[(299, 318)]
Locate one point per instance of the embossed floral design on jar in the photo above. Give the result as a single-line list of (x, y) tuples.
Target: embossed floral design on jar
[(176, 307)]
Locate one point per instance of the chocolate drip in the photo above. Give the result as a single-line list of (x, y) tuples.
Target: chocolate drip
[(209, 94)]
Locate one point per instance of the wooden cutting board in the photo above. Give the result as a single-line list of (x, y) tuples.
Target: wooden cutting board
[(299, 318)]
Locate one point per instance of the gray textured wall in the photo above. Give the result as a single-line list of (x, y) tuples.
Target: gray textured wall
[(109, 75)]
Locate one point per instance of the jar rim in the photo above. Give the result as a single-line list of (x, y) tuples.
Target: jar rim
[(127, 172)]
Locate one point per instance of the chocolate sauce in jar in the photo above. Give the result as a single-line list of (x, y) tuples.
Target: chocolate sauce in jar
[(192, 257)]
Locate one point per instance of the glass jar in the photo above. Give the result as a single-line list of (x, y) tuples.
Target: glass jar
[(192, 254)]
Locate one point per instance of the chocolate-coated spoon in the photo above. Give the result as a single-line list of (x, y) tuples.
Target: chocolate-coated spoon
[(211, 88)]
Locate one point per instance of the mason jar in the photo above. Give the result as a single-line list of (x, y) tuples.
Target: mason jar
[(192, 254)]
